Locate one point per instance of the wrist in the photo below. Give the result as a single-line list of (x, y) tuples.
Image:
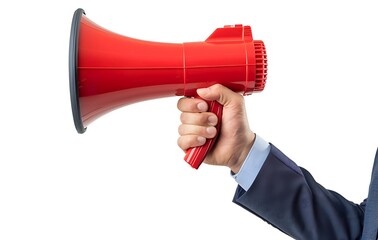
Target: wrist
[(237, 161)]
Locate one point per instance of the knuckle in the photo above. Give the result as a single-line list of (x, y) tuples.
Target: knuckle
[(180, 103), (185, 142), (181, 143), (182, 117), (217, 86), (181, 130)]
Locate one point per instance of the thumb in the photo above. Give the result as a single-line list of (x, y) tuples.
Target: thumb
[(218, 93)]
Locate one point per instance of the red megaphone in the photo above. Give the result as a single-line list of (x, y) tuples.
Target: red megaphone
[(108, 70)]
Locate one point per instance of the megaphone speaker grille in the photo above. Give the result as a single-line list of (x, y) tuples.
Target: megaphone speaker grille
[(261, 65)]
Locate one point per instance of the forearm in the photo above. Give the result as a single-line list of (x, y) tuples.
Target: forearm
[(289, 198)]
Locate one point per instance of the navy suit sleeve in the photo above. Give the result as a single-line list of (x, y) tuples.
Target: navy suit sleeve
[(287, 197)]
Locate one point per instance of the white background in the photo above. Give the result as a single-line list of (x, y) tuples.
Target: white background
[(125, 178)]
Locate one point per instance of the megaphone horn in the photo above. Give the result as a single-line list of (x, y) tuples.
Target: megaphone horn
[(108, 70)]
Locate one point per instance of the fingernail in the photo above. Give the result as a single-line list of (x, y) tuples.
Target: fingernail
[(202, 106), (211, 130), (212, 120), (201, 140), (202, 91)]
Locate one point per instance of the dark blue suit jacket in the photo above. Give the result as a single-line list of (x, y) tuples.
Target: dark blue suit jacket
[(288, 197)]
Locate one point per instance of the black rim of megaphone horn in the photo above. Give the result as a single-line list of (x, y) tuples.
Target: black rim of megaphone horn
[(73, 59)]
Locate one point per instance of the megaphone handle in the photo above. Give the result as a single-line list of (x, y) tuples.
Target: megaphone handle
[(195, 156)]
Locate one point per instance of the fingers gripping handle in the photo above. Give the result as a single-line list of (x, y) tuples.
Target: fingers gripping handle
[(195, 156)]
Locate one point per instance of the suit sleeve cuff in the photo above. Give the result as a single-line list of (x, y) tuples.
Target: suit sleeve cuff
[(253, 163)]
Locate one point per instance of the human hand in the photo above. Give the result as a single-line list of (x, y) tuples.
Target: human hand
[(235, 138)]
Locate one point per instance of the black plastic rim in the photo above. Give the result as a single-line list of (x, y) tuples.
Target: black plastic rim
[(73, 58)]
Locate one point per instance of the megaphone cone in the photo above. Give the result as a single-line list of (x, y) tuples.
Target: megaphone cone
[(108, 70)]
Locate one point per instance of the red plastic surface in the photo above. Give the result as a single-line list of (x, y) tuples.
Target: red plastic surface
[(115, 70)]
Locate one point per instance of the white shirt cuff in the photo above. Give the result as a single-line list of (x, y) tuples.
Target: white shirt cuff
[(253, 163)]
